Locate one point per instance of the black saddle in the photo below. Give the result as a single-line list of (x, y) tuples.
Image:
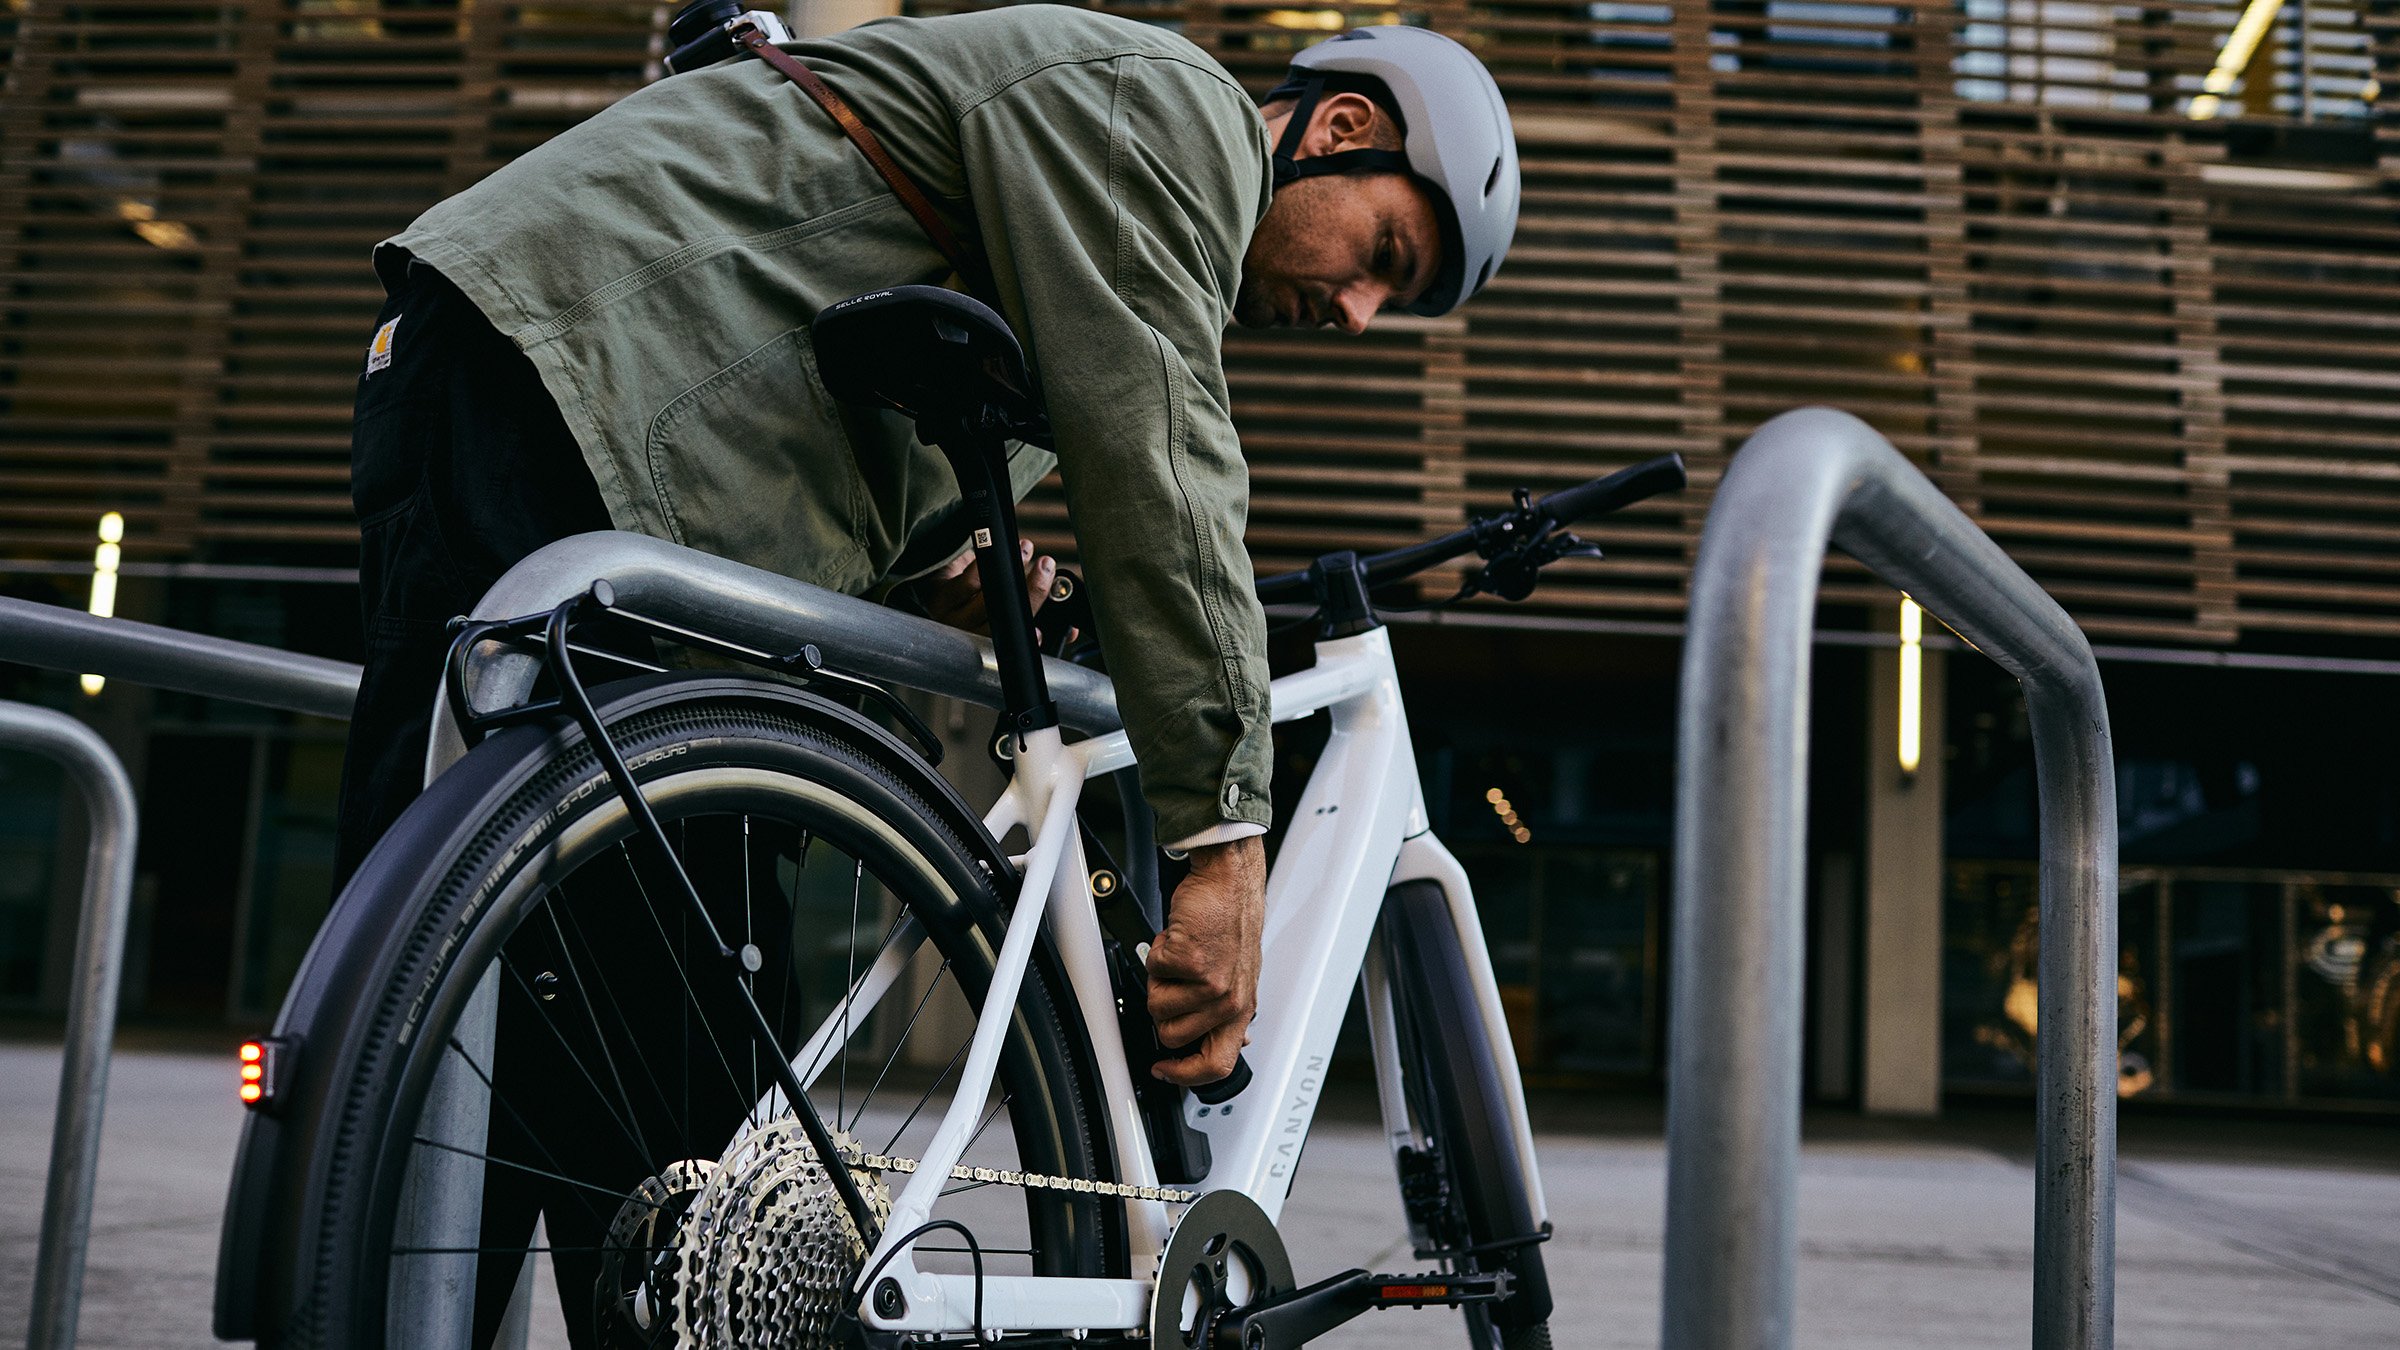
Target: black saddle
[(941, 358)]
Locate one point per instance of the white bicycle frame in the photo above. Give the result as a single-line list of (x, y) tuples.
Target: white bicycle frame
[(1358, 830)]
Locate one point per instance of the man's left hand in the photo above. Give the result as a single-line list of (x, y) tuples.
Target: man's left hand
[(1204, 967)]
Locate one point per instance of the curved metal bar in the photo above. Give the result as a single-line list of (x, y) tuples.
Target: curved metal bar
[(56, 638), (757, 609), (1805, 480), (91, 1008)]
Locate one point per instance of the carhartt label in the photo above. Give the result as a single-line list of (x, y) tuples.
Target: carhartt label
[(379, 352)]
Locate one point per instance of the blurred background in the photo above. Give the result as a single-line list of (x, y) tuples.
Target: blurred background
[(2123, 278)]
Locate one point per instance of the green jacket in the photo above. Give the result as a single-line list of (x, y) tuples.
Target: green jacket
[(660, 264)]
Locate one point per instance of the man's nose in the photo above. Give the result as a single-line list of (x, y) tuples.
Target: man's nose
[(1357, 305)]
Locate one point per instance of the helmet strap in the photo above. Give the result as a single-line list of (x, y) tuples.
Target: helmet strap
[(1288, 167)]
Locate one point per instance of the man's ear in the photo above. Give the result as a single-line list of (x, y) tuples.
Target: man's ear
[(1341, 122)]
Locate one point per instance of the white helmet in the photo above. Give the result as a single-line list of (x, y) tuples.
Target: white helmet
[(1459, 142)]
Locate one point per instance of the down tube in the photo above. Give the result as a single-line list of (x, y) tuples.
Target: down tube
[(1425, 858), (1322, 901)]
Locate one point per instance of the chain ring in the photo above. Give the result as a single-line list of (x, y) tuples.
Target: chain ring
[(1224, 1234)]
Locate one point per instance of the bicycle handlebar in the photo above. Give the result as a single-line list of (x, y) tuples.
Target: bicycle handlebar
[(1598, 497), (1621, 489)]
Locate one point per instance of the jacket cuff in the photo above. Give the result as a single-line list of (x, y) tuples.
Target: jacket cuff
[(1223, 833), (1188, 818)]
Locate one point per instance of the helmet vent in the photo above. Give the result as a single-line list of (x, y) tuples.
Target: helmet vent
[(1494, 179), (1485, 275)]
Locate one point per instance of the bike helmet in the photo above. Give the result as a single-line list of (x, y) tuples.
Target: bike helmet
[(1456, 131)]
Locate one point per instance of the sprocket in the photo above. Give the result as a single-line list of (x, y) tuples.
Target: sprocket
[(767, 1247)]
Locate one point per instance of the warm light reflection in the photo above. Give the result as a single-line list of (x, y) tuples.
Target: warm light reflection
[(1912, 683), (1507, 811), (104, 580), (2240, 45)]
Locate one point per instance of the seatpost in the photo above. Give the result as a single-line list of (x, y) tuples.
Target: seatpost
[(979, 459)]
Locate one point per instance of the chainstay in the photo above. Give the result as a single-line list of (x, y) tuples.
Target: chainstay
[(1032, 1181)]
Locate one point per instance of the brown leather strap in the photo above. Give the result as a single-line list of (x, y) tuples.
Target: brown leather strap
[(969, 268)]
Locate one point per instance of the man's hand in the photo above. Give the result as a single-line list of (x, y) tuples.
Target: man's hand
[(1204, 967), (954, 595)]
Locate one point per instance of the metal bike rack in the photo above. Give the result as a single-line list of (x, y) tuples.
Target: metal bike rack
[(756, 608), (138, 653), (1807, 479)]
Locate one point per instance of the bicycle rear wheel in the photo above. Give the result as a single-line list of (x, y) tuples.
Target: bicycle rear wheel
[(543, 1032)]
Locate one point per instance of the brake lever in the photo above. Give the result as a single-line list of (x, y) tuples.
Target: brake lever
[(1514, 568)]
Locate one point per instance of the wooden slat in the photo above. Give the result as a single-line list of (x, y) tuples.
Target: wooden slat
[(2158, 357)]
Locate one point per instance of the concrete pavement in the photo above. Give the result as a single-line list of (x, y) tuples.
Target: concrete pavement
[(2233, 1236)]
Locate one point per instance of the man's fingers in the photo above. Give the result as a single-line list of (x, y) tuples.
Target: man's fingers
[(1039, 574), (1211, 1062), (1178, 1032), (1171, 999)]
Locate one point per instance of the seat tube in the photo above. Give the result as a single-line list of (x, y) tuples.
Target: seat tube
[(980, 463)]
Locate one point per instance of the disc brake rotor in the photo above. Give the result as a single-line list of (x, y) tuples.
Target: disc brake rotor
[(634, 1298)]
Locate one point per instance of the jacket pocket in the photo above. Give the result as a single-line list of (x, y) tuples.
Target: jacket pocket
[(752, 464)]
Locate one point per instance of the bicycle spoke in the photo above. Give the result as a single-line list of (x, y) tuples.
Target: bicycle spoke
[(608, 1057), (491, 1161), (691, 995), (900, 1044), (929, 1091), (858, 880), (749, 940), (512, 1251), (988, 1118), (501, 1100), (633, 1041), (599, 1093), (833, 1046)]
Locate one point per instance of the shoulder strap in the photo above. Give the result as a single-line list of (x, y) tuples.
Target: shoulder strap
[(747, 36)]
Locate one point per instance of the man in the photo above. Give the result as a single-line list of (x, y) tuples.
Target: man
[(613, 332)]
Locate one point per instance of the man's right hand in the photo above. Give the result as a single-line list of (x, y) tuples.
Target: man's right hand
[(954, 595)]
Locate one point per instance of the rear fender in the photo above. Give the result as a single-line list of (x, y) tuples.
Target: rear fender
[(269, 1206)]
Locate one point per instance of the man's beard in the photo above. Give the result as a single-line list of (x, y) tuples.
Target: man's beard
[(1251, 308), (1293, 215)]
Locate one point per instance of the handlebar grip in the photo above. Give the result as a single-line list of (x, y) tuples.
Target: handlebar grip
[(1615, 492), (1227, 1088)]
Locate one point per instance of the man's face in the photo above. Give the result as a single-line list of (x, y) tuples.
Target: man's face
[(1337, 249)]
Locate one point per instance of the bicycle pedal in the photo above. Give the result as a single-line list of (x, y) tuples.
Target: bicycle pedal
[(1438, 1289), (1296, 1318)]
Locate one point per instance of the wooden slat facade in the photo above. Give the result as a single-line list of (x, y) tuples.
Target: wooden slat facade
[(2157, 356)]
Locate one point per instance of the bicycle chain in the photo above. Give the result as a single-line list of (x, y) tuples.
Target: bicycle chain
[(1032, 1181)]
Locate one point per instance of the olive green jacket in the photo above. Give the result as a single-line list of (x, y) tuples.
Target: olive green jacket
[(660, 264)]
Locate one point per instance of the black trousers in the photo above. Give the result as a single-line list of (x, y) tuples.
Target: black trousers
[(460, 465)]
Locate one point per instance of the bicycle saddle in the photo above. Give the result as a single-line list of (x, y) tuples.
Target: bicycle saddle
[(941, 358)]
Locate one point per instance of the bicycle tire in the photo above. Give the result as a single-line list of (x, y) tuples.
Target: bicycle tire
[(1453, 1090), (458, 880)]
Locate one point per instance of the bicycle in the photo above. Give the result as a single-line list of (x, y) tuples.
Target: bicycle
[(603, 973)]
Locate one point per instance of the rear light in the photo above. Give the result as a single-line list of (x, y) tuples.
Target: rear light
[(262, 1065)]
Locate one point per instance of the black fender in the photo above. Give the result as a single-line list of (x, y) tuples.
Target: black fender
[(268, 1208)]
